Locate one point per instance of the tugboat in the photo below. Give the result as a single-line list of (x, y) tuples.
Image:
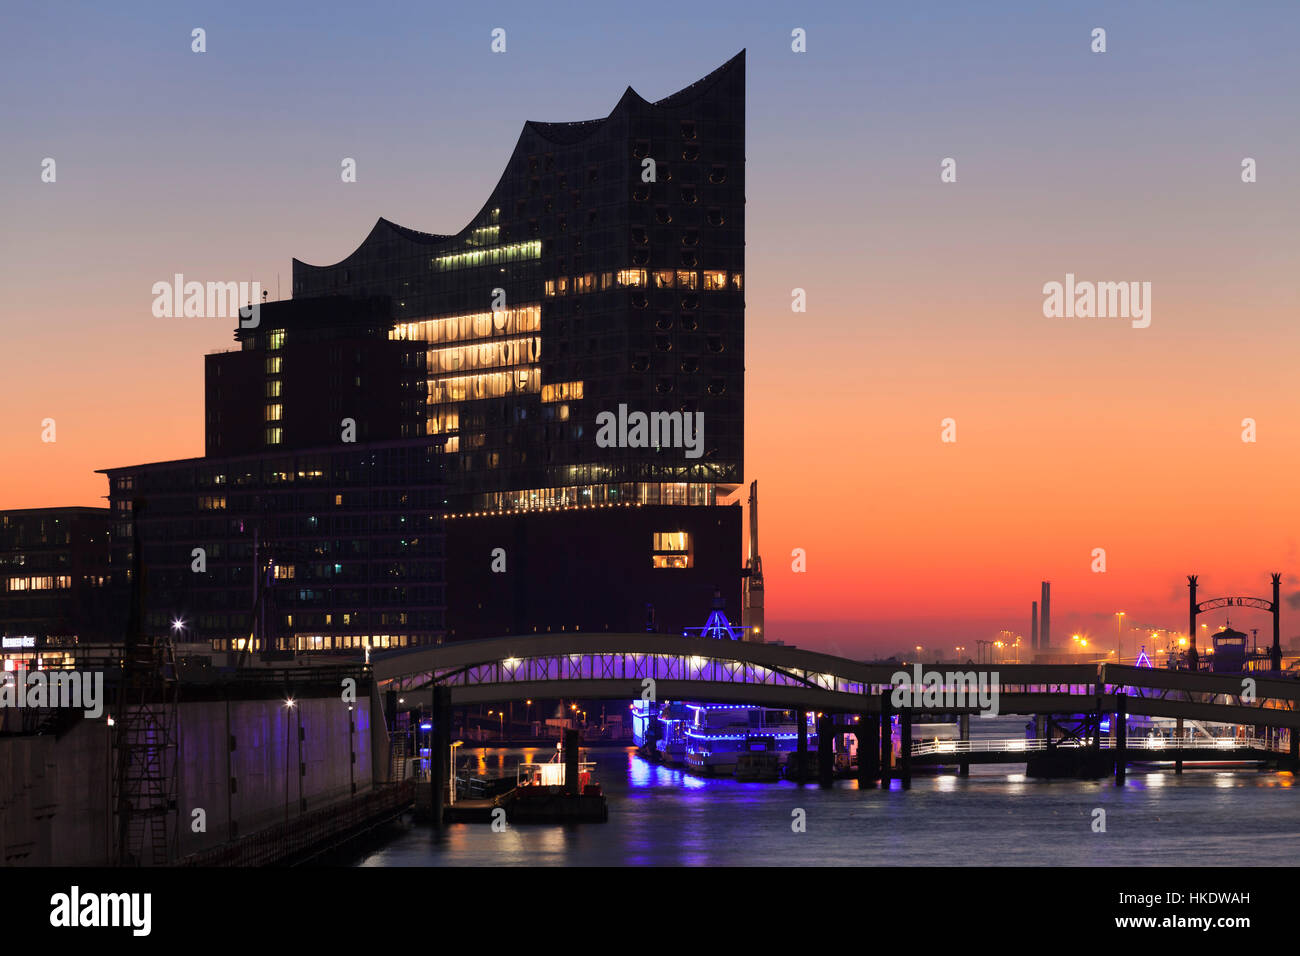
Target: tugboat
[(542, 793)]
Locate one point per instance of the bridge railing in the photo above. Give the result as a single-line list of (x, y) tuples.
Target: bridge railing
[(1029, 745), (624, 666)]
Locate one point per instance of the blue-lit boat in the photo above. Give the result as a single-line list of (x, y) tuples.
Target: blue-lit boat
[(658, 730), (717, 734)]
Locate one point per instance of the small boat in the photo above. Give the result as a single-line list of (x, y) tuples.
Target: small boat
[(540, 794), (759, 762)]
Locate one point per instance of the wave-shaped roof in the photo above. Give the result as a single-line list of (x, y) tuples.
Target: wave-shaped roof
[(562, 134)]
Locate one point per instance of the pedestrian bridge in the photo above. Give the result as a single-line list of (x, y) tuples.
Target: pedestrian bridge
[(671, 667)]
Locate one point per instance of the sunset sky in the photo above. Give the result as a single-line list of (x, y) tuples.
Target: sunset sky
[(924, 298)]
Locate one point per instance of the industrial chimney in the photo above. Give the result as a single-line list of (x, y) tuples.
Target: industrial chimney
[(1034, 624), (1045, 630)]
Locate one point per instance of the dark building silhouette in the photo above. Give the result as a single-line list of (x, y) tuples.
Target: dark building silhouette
[(309, 365), (54, 575), (342, 543), (603, 276)]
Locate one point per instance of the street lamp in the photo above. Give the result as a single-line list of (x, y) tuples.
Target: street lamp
[(1119, 637)]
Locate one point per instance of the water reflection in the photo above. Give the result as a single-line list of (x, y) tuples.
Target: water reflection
[(665, 816)]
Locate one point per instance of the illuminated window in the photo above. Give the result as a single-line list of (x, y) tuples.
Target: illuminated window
[(275, 340), (501, 354), (212, 503), (40, 583), (512, 252), (274, 413), (672, 549), (562, 392), (274, 365), (487, 385), (686, 280), (664, 279), (284, 572), (274, 436), (441, 421), (714, 281), (273, 387), (631, 277), (474, 325), (735, 280)]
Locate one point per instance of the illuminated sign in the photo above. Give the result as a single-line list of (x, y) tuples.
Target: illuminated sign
[(9, 642)]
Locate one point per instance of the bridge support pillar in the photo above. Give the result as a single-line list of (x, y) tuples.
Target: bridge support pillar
[(886, 740), (905, 746), (801, 771), (825, 755), (440, 775), (1098, 715), (963, 724), (1178, 732), (571, 770), (869, 750), (1121, 738)]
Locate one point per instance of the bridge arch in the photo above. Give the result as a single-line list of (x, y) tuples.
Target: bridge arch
[(616, 667)]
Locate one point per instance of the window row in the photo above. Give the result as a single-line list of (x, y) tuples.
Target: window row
[(513, 252), (712, 280), (474, 325), (501, 354), (464, 388), (39, 583)]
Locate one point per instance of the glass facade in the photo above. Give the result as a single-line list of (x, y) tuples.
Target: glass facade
[(581, 284)]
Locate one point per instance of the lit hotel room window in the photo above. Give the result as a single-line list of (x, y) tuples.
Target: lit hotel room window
[(672, 549)]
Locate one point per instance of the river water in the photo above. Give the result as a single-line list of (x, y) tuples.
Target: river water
[(996, 816)]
